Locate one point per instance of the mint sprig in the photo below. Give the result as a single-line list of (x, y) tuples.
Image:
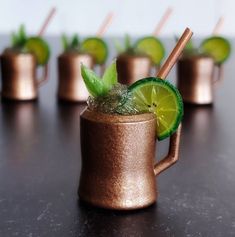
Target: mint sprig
[(19, 38), (72, 43), (97, 86)]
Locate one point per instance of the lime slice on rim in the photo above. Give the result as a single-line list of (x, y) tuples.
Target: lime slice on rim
[(161, 98), (152, 47), (97, 48), (217, 47), (39, 48)]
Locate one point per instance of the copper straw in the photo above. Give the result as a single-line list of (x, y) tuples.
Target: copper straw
[(47, 20), (171, 60), (104, 26), (163, 21), (218, 26)]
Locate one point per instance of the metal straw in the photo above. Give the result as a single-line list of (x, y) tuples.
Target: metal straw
[(172, 59)]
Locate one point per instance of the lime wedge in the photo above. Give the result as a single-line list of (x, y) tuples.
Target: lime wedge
[(39, 48), (97, 48), (218, 47), (152, 47), (161, 98)]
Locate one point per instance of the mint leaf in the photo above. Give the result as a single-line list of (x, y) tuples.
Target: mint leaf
[(127, 42), (21, 36), (75, 42), (93, 83), (14, 39), (19, 39), (110, 77)]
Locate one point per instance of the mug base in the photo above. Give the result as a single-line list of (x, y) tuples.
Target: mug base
[(85, 204), (193, 103), (116, 206), (13, 99)]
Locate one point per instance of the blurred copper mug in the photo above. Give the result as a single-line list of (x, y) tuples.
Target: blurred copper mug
[(118, 152), (71, 86), (131, 68), (19, 80), (196, 79)]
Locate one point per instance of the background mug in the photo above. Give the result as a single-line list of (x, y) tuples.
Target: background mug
[(131, 68), (196, 78), (71, 86), (19, 80)]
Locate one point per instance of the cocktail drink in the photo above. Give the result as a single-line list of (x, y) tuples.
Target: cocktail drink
[(118, 133), (135, 61), (199, 69), (19, 64), (90, 52)]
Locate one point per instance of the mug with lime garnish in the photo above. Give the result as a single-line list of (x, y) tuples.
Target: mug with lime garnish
[(138, 60), (200, 68), (92, 51), (135, 61), (118, 133), (19, 65)]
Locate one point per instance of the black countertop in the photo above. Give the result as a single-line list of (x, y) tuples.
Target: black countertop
[(40, 165)]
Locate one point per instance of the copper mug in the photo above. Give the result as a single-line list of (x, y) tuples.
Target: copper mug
[(118, 152), (19, 80), (131, 68), (71, 86), (196, 78)]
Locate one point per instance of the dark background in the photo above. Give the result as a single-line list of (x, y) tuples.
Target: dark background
[(40, 166)]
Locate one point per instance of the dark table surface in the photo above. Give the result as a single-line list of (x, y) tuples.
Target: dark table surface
[(40, 163)]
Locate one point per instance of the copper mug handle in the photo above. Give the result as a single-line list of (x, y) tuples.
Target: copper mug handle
[(218, 78), (173, 153), (44, 78)]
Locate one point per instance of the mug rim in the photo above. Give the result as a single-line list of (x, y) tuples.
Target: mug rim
[(13, 54), (196, 57), (137, 56), (113, 118), (74, 55)]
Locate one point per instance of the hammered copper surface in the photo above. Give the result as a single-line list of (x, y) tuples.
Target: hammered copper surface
[(195, 79), (118, 154), (131, 68), (18, 76), (71, 86)]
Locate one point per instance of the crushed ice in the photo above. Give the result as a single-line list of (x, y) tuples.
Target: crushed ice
[(117, 101)]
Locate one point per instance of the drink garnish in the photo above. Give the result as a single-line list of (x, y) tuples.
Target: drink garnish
[(217, 47), (70, 44), (152, 47), (99, 86), (160, 97), (36, 45), (97, 48), (39, 48), (149, 46)]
